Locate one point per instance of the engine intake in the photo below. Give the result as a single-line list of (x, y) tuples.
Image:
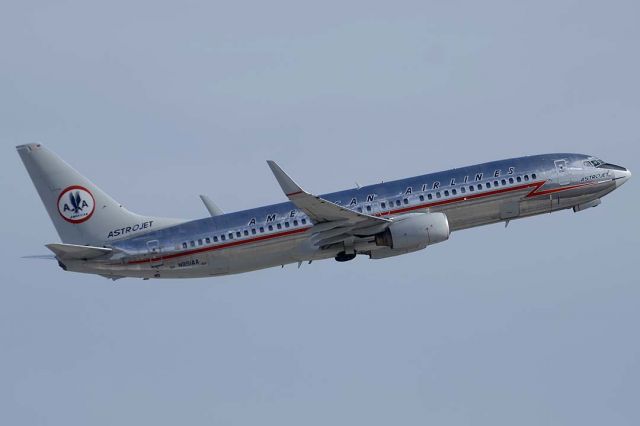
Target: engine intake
[(415, 231)]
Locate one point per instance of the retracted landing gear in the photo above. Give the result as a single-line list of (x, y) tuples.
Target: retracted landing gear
[(344, 257)]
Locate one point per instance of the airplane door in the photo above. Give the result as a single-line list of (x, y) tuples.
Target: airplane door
[(155, 255), (563, 172)]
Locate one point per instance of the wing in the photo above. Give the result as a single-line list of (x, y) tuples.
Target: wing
[(212, 207), (332, 223)]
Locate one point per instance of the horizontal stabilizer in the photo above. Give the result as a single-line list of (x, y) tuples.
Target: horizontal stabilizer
[(41, 257), (73, 251)]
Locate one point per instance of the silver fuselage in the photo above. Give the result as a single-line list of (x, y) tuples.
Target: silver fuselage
[(279, 234)]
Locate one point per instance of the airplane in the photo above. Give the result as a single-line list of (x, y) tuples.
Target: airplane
[(99, 236)]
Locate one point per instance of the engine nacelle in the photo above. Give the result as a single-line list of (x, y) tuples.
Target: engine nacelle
[(415, 232)]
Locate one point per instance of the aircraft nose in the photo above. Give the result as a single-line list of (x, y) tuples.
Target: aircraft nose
[(622, 176)]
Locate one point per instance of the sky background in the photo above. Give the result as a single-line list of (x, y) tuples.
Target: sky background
[(158, 102)]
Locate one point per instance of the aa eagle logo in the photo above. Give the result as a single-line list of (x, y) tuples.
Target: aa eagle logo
[(76, 204)]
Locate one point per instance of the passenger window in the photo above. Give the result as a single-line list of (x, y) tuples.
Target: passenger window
[(368, 208), (398, 203), (246, 233), (454, 191), (429, 196), (479, 186), (446, 193), (463, 189), (471, 188), (215, 239), (200, 241), (286, 224), (504, 182), (223, 237), (421, 197), (261, 229), (253, 231), (270, 227), (383, 205), (510, 180), (533, 176), (231, 235), (238, 234), (526, 177), (207, 240), (295, 223), (495, 183), (519, 179), (184, 245), (438, 194), (192, 243), (359, 209), (279, 225), (406, 201), (304, 221), (488, 184)]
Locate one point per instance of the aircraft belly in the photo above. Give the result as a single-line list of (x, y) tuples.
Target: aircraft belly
[(259, 256), (582, 195), (482, 212), (513, 206)]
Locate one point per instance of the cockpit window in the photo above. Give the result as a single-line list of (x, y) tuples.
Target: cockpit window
[(611, 167), (595, 162)]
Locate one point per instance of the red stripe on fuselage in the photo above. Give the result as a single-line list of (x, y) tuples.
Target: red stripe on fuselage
[(534, 192), (223, 246)]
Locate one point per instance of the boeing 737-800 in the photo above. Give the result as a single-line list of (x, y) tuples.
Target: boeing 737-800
[(99, 236)]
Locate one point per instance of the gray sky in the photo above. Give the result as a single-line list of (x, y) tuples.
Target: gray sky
[(158, 102)]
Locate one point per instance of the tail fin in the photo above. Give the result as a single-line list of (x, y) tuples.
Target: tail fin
[(81, 212)]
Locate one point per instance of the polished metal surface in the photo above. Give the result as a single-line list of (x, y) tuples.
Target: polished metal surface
[(292, 232)]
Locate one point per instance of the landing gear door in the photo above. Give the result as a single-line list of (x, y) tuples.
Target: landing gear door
[(562, 172), (155, 254)]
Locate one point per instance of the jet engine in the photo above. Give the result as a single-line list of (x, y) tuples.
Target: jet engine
[(414, 232)]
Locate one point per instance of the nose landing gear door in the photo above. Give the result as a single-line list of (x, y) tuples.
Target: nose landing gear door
[(155, 254), (562, 172)]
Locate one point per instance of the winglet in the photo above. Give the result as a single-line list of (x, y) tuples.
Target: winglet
[(212, 207), (318, 209), (287, 184)]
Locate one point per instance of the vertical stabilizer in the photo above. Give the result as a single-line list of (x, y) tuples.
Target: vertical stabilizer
[(80, 211)]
